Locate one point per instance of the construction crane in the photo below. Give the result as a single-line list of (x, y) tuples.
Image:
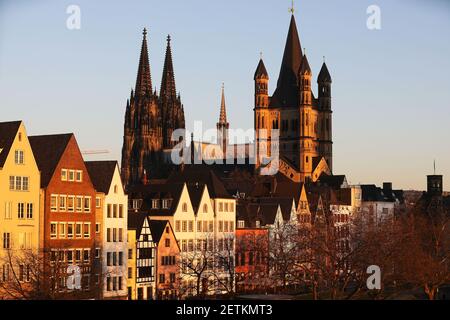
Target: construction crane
[(91, 152)]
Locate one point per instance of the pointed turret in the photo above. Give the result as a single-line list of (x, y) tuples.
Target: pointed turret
[(168, 78), (261, 72), (305, 69), (287, 85), (143, 80), (324, 74)]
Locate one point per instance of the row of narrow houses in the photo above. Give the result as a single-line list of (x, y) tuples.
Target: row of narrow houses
[(195, 233)]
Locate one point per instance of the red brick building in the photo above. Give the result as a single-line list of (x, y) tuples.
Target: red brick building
[(67, 228)]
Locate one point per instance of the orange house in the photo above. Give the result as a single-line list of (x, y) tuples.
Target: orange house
[(167, 255), (67, 228)]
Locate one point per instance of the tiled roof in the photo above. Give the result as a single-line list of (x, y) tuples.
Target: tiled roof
[(8, 131), (101, 174), (47, 151)]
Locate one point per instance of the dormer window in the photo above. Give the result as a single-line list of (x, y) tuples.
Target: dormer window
[(241, 224), (166, 203), (136, 204), (155, 204), (258, 224), (18, 157)]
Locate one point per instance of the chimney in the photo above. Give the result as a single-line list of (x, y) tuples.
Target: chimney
[(434, 185), (387, 187)]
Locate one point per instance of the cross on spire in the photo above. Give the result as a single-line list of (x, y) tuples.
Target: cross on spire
[(292, 9), (144, 32)]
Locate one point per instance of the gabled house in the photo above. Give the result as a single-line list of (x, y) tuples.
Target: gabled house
[(67, 211), (110, 228), (141, 258), (19, 206)]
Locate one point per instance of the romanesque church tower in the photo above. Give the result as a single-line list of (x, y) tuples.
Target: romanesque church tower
[(150, 120), (304, 121)]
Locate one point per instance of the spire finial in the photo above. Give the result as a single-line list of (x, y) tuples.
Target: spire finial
[(144, 32), (260, 55), (323, 59), (292, 9), (168, 38)]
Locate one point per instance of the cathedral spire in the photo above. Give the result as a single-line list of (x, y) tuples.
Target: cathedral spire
[(168, 78), (223, 111), (143, 80)]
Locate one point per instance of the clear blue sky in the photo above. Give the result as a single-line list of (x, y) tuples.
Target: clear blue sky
[(391, 90)]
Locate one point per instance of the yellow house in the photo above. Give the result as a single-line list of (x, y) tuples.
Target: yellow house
[(131, 264), (19, 209)]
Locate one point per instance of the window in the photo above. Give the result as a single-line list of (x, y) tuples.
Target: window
[(79, 175), (231, 226), (167, 243), (53, 203), (98, 202), (20, 210), (210, 226), (172, 278), (6, 240), (63, 174), (155, 204), (191, 226), (130, 273), (79, 204), (108, 210), (177, 226), (184, 207), (108, 235), (130, 253), (87, 204), (226, 206), (62, 230), (11, 182), (241, 223), (71, 175), (199, 226), (78, 255), (18, 183), (220, 206), (120, 234), (86, 255), (205, 208), (97, 253), (115, 211), (25, 183), (116, 189), (87, 230), (166, 203), (8, 210), (70, 203), (69, 254), (225, 226), (78, 230), (184, 226), (97, 227), (120, 258), (108, 258), (220, 226), (70, 230), (62, 202), (18, 157), (53, 230), (191, 245), (120, 210), (162, 278)]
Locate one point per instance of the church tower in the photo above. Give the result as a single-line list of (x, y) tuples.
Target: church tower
[(261, 113), (171, 108), (149, 120), (304, 121), (223, 125), (325, 116)]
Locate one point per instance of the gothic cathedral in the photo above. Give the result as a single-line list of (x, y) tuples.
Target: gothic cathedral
[(150, 120)]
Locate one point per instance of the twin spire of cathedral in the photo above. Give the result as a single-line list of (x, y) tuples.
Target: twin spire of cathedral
[(144, 79)]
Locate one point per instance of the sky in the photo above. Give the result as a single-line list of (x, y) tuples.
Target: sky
[(391, 87)]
